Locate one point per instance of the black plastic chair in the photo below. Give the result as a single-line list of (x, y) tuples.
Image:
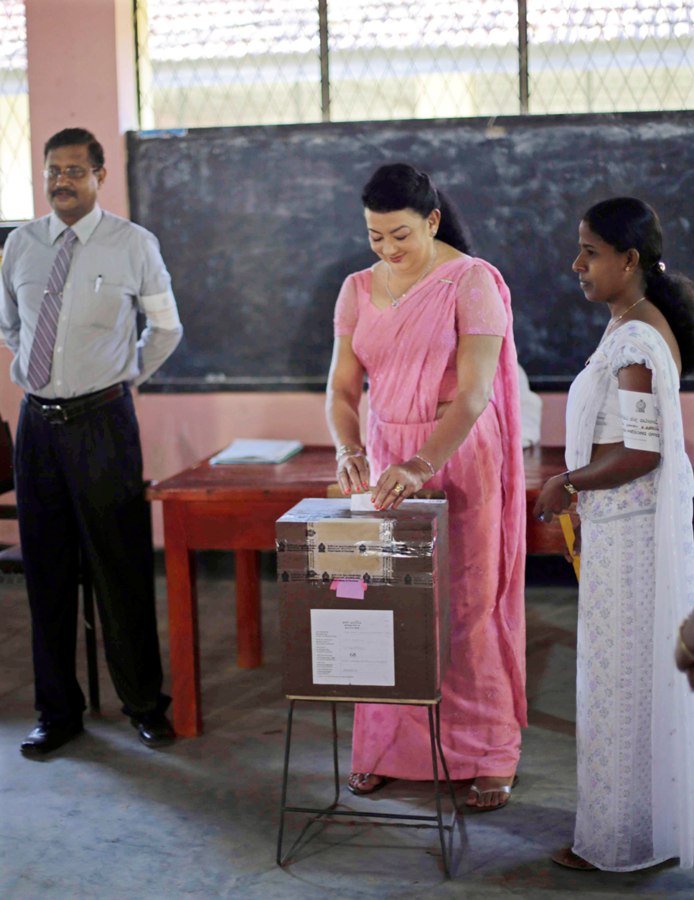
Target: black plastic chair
[(11, 563)]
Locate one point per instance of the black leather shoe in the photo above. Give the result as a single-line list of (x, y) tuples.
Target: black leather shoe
[(155, 730), (46, 737)]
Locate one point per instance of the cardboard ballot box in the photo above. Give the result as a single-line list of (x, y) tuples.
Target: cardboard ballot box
[(363, 600)]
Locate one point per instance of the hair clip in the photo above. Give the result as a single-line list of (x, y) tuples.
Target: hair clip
[(446, 281)]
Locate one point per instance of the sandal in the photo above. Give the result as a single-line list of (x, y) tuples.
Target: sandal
[(570, 860), (501, 789), (358, 778)]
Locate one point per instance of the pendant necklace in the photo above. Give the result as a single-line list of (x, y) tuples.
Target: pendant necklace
[(396, 301), (612, 323)]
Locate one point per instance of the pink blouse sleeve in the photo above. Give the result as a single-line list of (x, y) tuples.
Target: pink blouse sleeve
[(346, 308), (480, 309)]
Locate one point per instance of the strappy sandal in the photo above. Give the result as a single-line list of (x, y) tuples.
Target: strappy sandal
[(356, 778), (502, 789), (570, 860)]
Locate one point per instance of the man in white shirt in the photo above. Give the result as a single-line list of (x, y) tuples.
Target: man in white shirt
[(73, 283)]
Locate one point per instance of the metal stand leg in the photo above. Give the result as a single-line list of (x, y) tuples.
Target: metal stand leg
[(437, 749), (336, 768), (437, 792), (406, 820), (449, 783), (282, 860), (285, 776)]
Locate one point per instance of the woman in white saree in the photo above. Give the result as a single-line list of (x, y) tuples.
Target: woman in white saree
[(626, 460)]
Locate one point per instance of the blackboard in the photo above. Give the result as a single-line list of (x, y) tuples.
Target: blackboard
[(260, 225)]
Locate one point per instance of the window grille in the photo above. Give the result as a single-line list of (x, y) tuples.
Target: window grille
[(610, 55), (256, 62), (16, 199)]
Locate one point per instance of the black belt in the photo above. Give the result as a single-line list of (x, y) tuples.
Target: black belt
[(60, 411)]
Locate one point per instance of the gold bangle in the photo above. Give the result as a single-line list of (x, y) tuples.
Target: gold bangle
[(348, 450), (426, 462), (685, 649)]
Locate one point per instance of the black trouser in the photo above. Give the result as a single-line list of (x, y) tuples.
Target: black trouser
[(79, 485)]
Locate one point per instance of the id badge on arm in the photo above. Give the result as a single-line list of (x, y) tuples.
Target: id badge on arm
[(639, 420)]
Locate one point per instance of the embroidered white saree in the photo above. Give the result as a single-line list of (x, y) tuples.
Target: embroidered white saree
[(635, 712)]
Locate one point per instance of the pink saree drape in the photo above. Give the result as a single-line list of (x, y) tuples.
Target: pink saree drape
[(405, 352)]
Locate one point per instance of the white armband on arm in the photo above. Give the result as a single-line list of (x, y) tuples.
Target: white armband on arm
[(161, 310), (639, 421)]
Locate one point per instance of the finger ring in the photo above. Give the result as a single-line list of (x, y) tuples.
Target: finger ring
[(398, 488), (541, 517)]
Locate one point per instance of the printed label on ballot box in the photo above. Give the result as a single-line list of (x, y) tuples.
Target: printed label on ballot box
[(353, 646)]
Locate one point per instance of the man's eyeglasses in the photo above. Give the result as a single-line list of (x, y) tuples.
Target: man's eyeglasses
[(74, 173)]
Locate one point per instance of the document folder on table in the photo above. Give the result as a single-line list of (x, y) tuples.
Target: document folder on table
[(253, 451)]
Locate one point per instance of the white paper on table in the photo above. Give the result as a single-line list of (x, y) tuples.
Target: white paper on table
[(353, 646), (253, 451)]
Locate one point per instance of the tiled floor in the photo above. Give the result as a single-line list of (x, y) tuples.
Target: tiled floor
[(107, 818)]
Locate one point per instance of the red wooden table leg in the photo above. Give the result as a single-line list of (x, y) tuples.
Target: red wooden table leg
[(249, 642), (184, 648)]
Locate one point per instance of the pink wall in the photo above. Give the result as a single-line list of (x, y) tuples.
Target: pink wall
[(81, 72)]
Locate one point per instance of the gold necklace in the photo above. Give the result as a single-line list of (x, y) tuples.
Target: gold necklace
[(396, 301), (613, 321)]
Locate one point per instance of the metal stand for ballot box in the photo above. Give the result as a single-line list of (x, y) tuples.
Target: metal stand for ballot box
[(327, 814)]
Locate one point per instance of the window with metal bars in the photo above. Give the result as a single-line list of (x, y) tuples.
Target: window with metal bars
[(256, 62), (16, 200), (262, 62)]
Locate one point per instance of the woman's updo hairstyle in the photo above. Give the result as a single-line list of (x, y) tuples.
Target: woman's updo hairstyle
[(626, 223), (400, 186)]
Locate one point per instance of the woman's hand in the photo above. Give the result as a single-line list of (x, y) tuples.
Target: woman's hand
[(684, 654), (397, 483), (353, 472), (553, 499)]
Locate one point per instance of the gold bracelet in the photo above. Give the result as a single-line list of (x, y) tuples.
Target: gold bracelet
[(426, 462), (685, 649), (348, 450)]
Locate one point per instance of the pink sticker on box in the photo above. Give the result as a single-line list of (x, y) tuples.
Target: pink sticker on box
[(350, 590)]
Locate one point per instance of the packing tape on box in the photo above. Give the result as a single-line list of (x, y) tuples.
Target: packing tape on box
[(353, 550), (362, 537), (404, 579)]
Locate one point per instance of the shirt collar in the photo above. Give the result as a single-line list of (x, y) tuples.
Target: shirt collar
[(84, 228)]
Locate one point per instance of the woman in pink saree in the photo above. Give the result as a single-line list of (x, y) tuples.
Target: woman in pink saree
[(431, 326)]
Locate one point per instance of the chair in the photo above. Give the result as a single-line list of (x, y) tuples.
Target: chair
[(11, 563)]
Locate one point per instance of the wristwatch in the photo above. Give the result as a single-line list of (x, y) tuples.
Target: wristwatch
[(568, 487)]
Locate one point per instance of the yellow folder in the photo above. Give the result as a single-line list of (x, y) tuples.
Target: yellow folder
[(570, 538)]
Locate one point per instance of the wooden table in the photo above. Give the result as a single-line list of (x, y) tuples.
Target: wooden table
[(235, 508)]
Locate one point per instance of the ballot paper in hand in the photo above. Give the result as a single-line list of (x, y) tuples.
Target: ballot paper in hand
[(261, 450)]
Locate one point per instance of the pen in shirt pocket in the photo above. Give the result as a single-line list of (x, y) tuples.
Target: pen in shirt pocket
[(97, 284)]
